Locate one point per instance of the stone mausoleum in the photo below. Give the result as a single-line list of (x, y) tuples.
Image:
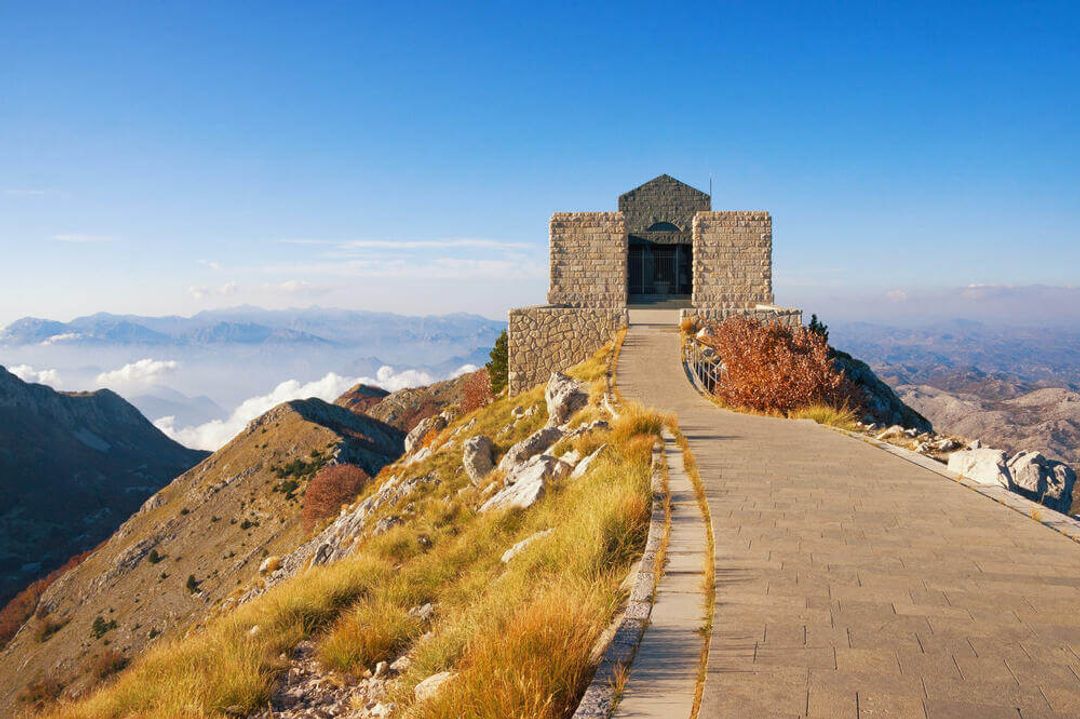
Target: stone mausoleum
[(665, 248)]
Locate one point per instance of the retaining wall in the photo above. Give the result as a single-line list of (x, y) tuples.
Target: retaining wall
[(546, 339)]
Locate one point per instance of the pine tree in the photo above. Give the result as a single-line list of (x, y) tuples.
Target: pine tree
[(818, 327), (499, 366)]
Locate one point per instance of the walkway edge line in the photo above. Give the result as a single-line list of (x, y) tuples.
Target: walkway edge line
[(1045, 516), (619, 642)]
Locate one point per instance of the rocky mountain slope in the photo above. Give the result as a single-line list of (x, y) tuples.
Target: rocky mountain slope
[(73, 466), (200, 538), (1047, 420)]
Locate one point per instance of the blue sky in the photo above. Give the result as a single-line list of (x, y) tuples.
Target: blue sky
[(171, 157)]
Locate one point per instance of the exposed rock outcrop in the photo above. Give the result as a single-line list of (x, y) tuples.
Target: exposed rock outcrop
[(537, 442), (478, 457), (527, 483), (985, 466), (1043, 480), (564, 396), (880, 402)]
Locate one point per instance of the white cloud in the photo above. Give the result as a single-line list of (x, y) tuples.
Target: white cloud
[(64, 337), (443, 243), (216, 433), (200, 292), (80, 238), (896, 295), (454, 268), (28, 374), (25, 192), (136, 374), (213, 265)]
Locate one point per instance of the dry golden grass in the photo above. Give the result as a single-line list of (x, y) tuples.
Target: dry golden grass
[(518, 636), (842, 417)]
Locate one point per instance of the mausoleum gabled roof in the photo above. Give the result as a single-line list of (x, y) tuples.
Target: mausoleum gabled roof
[(666, 182)]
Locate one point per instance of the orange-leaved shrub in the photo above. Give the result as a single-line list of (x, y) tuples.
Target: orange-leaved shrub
[(476, 391), (331, 487), (773, 368)]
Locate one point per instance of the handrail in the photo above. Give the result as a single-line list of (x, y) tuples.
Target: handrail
[(706, 365)]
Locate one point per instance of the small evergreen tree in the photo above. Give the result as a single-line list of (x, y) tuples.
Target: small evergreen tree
[(499, 366), (818, 327), (192, 584)]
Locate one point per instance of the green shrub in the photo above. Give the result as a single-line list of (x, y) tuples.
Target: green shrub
[(499, 366)]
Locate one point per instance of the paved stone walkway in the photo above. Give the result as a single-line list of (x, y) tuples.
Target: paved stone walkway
[(851, 583), (664, 674)]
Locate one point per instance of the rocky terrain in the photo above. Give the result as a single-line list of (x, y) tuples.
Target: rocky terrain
[(1044, 419), (73, 466), (204, 536)]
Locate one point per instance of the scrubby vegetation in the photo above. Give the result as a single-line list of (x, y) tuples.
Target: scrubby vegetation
[(776, 369), (517, 636), (477, 391), (330, 488), (499, 366), (22, 605)]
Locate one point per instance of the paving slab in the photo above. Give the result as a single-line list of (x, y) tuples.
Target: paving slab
[(663, 677), (934, 601)]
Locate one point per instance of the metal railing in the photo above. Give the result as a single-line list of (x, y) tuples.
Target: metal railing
[(704, 363)]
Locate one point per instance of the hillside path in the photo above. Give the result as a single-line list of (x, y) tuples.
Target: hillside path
[(664, 673), (852, 583)]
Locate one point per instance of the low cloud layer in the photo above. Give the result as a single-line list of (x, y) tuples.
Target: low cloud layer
[(216, 433), (137, 374), (28, 374)]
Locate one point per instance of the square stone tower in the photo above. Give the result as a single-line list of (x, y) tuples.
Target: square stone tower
[(664, 247)]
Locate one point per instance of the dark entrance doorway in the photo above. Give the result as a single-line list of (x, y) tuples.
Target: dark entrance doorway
[(659, 270)]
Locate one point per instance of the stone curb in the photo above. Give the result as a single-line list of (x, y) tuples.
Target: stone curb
[(624, 634)]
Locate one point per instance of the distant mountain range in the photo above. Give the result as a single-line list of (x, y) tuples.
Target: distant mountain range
[(1015, 388), (253, 326)]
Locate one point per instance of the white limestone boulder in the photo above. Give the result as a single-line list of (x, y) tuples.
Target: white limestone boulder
[(1043, 480), (430, 687), (424, 427), (537, 442), (527, 483), (985, 466), (518, 548), (564, 396), (583, 466), (478, 457)]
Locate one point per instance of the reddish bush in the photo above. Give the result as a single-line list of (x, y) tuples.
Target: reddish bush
[(107, 663), (330, 488), (22, 605), (476, 392), (772, 368)]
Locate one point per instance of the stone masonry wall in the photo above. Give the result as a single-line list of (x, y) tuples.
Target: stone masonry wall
[(732, 259), (588, 259), (784, 315), (542, 340), (664, 199)]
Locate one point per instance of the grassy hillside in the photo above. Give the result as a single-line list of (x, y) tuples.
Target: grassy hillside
[(190, 546), (515, 637)]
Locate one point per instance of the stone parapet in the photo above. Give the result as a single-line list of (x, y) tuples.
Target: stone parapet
[(787, 316), (732, 259), (546, 339), (588, 259)]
